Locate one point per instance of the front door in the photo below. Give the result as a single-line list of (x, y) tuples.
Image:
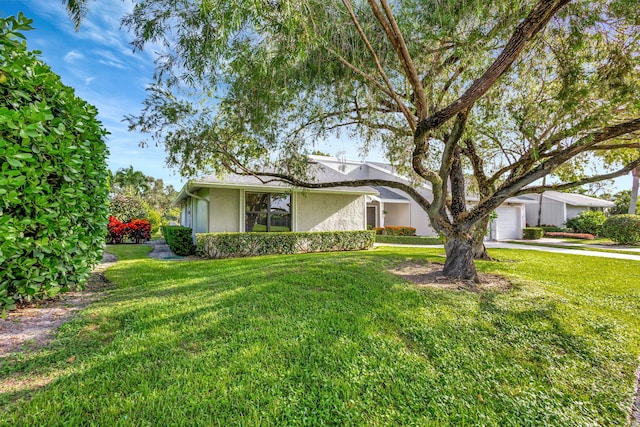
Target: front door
[(371, 216)]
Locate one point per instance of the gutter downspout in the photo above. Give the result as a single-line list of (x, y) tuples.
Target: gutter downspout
[(186, 191)]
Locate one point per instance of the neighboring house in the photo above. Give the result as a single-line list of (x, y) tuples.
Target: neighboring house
[(558, 207), (244, 203)]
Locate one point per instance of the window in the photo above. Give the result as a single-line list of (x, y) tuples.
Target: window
[(267, 212)]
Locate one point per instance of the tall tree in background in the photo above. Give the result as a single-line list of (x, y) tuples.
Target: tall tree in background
[(509, 90), (634, 190), (128, 180)]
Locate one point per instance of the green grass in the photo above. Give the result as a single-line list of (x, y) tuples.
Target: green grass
[(333, 339), (128, 252), (408, 240)]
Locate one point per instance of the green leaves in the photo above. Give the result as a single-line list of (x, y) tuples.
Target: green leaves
[(52, 177)]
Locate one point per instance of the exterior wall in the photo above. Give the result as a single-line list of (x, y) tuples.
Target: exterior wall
[(553, 213), (224, 210), (573, 211), (398, 214), (418, 218), (328, 212)]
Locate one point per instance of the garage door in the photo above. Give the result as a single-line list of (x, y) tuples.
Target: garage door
[(508, 225)]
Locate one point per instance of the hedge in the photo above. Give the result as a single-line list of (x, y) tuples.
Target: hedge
[(393, 230), (623, 229), (53, 177), (555, 234), (532, 233), (409, 240), (179, 239), (233, 245)]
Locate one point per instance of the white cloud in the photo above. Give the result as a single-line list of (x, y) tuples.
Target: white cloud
[(88, 80), (72, 56)]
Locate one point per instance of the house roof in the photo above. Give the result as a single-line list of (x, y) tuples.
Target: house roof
[(386, 194), (319, 173), (571, 199)]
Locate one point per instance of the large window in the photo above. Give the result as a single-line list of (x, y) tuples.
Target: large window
[(267, 212)]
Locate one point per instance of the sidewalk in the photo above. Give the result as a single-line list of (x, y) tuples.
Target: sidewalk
[(161, 250)]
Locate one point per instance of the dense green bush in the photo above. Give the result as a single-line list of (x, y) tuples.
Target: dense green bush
[(231, 245), (622, 229), (532, 233), (409, 240), (179, 239), (53, 177), (127, 207), (155, 219), (588, 222), (393, 230), (554, 229)]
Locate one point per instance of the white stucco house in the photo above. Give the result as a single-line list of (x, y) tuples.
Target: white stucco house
[(243, 203), (558, 207)]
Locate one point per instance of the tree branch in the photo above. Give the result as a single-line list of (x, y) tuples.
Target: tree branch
[(410, 118), (577, 183), (537, 19)]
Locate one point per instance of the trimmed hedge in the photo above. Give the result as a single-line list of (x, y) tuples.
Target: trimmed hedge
[(53, 177), (409, 240), (585, 236), (532, 233), (623, 229), (179, 239), (393, 230), (234, 245)]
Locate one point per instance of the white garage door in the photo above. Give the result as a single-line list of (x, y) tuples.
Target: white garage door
[(508, 225)]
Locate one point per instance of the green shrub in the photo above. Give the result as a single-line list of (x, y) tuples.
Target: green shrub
[(587, 222), (409, 240), (179, 239), (53, 177), (155, 219), (554, 229), (532, 233), (128, 207), (232, 245), (622, 229), (392, 230)]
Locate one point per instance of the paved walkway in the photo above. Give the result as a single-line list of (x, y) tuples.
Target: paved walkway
[(161, 250), (507, 245)]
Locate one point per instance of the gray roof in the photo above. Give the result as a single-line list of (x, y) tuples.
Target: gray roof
[(386, 194), (319, 174), (571, 199)]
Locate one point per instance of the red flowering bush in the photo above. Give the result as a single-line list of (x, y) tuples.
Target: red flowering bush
[(138, 230), (585, 236), (117, 230)]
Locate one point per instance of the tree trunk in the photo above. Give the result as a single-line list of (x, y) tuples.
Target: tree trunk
[(479, 250), (634, 190), (459, 264)]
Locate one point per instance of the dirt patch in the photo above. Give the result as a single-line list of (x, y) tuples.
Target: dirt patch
[(427, 274), (33, 324)]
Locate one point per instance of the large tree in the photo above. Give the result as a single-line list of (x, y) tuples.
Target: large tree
[(510, 90)]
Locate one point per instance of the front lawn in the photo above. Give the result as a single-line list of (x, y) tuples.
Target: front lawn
[(334, 339)]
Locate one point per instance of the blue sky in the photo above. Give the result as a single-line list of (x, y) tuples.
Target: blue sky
[(98, 62)]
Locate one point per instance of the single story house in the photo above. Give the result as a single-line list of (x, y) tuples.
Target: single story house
[(558, 207), (239, 203)]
